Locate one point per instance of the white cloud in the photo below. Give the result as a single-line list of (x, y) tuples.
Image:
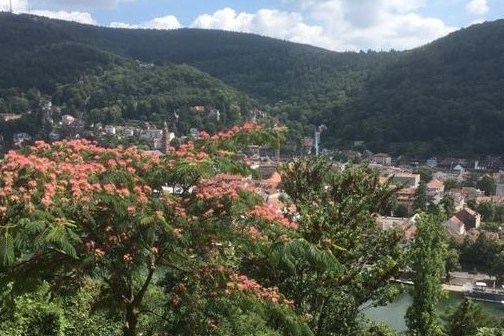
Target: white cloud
[(73, 4), (23, 6), (18, 6), (332, 24), (165, 22), (478, 7), (268, 22), (81, 17), (337, 24)]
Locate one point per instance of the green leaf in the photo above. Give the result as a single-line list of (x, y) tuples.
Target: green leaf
[(6, 249)]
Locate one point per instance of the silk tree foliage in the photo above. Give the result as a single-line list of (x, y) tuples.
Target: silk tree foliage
[(340, 257), (72, 212)]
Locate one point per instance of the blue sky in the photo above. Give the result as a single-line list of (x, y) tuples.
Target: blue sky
[(332, 24)]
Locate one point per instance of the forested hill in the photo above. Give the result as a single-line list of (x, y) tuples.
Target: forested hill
[(443, 98), (446, 97), (69, 64)]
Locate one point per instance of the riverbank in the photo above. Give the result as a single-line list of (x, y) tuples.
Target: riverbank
[(393, 313), (453, 288), (447, 287)]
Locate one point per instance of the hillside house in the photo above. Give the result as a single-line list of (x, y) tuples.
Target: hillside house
[(408, 225), (67, 120), (490, 199), (151, 134), (383, 159), (468, 193), (432, 162), (406, 197), (499, 190), (406, 179), (435, 188), (10, 116), (19, 139), (462, 221), (198, 108), (110, 129), (459, 169)]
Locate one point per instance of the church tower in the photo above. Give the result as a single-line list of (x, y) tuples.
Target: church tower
[(165, 139)]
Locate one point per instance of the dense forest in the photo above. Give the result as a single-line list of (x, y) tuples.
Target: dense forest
[(157, 93), (444, 98)]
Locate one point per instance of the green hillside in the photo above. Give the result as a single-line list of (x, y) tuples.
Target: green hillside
[(444, 98), (154, 93), (65, 63)]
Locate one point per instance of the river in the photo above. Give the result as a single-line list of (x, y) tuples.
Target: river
[(393, 313)]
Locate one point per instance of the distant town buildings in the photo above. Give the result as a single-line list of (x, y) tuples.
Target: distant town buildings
[(462, 221), (382, 159)]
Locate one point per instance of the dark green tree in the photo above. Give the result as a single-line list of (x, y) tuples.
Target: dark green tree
[(466, 319), (336, 217), (421, 198), (425, 172), (401, 211), (451, 183), (427, 261), (471, 181), (452, 262), (487, 211), (448, 204), (487, 184)]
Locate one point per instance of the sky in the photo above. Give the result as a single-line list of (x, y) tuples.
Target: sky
[(341, 25)]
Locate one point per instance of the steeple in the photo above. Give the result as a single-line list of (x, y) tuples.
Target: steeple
[(165, 139)]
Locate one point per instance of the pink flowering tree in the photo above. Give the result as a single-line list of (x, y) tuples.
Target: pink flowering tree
[(164, 236)]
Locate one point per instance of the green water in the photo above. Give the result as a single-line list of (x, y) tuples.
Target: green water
[(393, 313)]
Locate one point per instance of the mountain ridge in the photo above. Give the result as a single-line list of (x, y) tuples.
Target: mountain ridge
[(387, 99)]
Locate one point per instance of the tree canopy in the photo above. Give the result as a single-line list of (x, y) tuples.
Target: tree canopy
[(73, 212)]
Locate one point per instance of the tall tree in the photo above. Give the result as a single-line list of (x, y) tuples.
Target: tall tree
[(451, 183), (427, 261), (425, 172), (448, 204), (466, 319), (421, 197), (487, 184), (341, 257)]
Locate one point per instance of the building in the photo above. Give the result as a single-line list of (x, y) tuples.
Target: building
[(406, 179), (462, 221), (128, 132), (10, 116), (110, 130), (151, 134), (432, 162), (455, 227), (165, 139), (435, 188), (468, 193), (19, 139), (499, 190), (198, 108), (406, 197), (67, 120), (383, 159), (459, 169), (408, 225)]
